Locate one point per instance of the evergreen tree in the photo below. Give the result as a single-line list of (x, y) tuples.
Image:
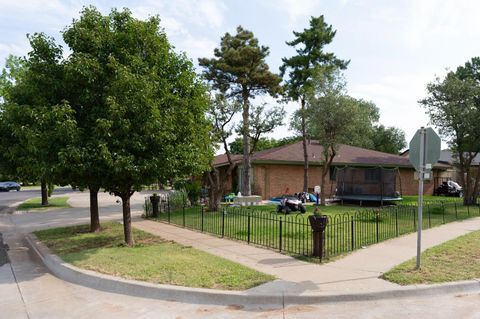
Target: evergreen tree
[(302, 67)]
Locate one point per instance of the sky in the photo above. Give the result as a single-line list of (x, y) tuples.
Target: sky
[(395, 47)]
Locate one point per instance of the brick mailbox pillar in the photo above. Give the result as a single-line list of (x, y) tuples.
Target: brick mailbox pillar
[(155, 200), (318, 224)]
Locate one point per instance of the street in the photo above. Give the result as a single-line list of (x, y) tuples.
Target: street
[(28, 290)]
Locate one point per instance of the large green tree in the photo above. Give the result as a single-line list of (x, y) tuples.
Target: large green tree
[(388, 139), (149, 119), (88, 74), (263, 143), (34, 135), (453, 104), (335, 118), (301, 68), (221, 113), (239, 71)]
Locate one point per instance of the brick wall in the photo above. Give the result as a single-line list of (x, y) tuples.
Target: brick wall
[(410, 184), (272, 180)]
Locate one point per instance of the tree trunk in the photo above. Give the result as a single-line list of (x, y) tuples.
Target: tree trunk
[(127, 220), (322, 186), (305, 148), (217, 184), (214, 198), (94, 216), (246, 145), (475, 187), (467, 187), (44, 191)]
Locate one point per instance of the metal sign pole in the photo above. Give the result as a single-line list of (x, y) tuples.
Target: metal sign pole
[(421, 172)]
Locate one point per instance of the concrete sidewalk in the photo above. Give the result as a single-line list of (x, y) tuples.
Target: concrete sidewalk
[(356, 273)]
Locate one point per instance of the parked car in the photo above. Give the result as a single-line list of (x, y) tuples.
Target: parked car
[(290, 204), (450, 188), (9, 186)]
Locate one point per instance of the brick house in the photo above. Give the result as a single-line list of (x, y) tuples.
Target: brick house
[(279, 170), (451, 171)]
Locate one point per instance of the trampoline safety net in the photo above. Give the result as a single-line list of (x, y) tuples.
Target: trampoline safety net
[(376, 183)]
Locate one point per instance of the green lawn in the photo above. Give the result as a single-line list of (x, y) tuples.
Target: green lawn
[(152, 259), (36, 203), (457, 259), (349, 227), (431, 198)]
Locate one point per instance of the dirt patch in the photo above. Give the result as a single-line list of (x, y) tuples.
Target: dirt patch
[(235, 307)]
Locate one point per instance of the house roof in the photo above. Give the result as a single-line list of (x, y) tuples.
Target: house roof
[(346, 155), (446, 156)]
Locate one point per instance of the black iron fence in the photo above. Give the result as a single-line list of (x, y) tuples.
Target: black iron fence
[(292, 234)]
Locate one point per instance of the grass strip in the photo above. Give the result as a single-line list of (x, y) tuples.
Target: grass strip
[(152, 259), (454, 260), (36, 203)]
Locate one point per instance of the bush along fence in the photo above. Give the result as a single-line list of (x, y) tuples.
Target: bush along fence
[(292, 234)]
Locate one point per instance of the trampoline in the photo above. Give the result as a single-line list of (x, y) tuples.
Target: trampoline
[(368, 184)]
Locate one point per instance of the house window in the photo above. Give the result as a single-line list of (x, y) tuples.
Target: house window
[(372, 175)]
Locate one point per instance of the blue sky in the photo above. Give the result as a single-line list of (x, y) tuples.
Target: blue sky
[(395, 47)]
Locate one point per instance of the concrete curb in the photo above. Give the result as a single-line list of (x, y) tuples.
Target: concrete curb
[(113, 284)]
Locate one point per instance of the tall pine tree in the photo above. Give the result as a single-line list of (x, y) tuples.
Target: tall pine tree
[(302, 67), (239, 71)]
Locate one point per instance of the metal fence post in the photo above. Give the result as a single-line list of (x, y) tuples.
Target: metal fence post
[(377, 213), (202, 219), (280, 237), (168, 208), (429, 217), (223, 223), (396, 221), (352, 228), (248, 228), (183, 215), (443, 212), (415, 220)]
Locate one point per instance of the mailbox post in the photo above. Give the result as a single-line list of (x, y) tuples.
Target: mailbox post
[(155, 200), (318, 224)]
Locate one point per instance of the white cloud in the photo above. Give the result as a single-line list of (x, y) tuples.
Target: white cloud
[(186, 22), (298, 10), (13, 48), (213, 11), (195, 47), (209, 13), (429, 19), (397, 97)]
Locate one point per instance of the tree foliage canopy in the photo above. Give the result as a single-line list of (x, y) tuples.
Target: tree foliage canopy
[(239, 67), (239, 71), (142, 101), (309, 45), (388, 139), (263, 143), (36, 122), (453, 104)]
